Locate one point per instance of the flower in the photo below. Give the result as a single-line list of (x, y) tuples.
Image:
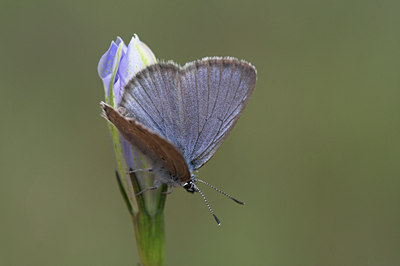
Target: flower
[(120, 63), (116, 67)]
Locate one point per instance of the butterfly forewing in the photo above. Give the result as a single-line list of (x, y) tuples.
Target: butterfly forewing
[(222, 87), (194, 107), (151, 98)]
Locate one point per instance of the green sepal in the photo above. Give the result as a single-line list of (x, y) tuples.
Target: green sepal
[(124, 195), (149, 227)]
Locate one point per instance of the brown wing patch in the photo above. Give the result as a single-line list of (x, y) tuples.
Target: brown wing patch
[(152, 145)]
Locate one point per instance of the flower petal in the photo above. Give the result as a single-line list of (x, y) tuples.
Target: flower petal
[(105, 65), (108, 67), (137, 57), (127, 151)]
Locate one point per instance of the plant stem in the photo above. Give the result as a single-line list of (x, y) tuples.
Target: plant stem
[(150, 238), (148, 223)]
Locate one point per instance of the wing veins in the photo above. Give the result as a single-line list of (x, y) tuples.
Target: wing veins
[(227, 91), (159, 97), (224, 117), (216, 98), (208, 88), (152, 119), (162, 77), (215, 104), (198, 116), (216, 138), (183, 102), (212, 142), (240, 82), (155, 106)]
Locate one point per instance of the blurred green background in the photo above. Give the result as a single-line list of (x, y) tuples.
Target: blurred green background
[(315, 155)]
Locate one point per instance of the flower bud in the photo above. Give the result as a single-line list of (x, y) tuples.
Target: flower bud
[(120, 63), (116, 67)]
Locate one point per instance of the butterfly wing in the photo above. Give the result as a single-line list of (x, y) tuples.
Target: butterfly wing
[(151, 98), (216, 91), (158, 150), (193, 107)]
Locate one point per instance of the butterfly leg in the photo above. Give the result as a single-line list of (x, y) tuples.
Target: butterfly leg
[(140, 170), (157, 184), (169, 191)]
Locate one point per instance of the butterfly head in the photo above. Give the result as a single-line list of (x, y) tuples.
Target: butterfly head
[(190, 186)]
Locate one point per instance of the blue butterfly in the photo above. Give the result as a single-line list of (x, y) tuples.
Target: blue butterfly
[(177, 117)]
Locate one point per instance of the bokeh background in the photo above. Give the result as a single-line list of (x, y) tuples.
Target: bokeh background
[(315, 156)]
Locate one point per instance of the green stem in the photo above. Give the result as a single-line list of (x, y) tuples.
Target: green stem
[(149, 226), (148, 223), (150, 238), (147, 210)]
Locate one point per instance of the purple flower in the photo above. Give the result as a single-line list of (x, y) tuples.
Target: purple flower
[(116, 67), (120, 63)]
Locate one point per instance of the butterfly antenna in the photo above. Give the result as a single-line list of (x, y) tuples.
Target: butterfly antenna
[(220, 191), (208, 205)]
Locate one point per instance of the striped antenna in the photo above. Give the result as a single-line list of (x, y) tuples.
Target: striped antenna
[(208, 205), (220, 191)]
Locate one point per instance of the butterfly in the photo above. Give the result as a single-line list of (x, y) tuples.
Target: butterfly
[(177, 117)]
